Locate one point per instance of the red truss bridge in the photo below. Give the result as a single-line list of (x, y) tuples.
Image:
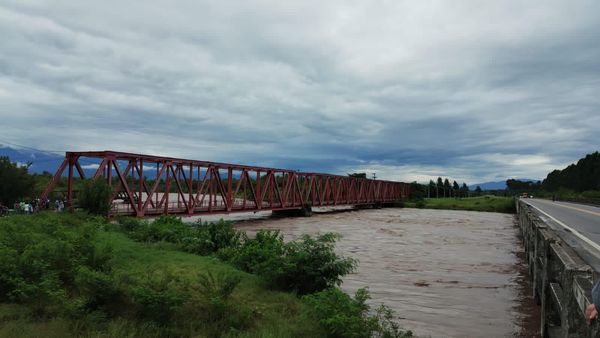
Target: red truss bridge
[(145, 185)]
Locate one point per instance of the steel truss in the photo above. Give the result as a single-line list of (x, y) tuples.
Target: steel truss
[(211, 188)]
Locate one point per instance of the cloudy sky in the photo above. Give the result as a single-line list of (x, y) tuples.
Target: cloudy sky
[(410, 90)]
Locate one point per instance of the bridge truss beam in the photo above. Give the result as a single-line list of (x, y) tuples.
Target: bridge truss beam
[(145, 185)]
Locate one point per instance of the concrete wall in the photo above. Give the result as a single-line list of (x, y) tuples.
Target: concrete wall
[(562, 281)]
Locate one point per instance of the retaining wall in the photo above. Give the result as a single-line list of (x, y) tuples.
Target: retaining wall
[(562, 281)]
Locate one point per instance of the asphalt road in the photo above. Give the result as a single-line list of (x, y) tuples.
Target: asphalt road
[(580, 219)]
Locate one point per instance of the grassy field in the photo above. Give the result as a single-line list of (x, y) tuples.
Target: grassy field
[(483, 203), (266, 313)]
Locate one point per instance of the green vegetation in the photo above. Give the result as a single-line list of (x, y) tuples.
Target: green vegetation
[(16, 183), (304, 266), (347, 317), (578, 182), (483, 203), (65, 274), (441, 189), (95, 197), (579, 177)]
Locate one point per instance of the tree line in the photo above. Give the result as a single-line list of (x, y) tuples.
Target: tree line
[(441, 188), (581, 178)]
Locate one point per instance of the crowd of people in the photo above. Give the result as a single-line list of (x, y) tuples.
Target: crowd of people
[(30, 207)]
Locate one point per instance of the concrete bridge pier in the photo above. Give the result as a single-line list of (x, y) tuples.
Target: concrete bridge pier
[(305, 211)]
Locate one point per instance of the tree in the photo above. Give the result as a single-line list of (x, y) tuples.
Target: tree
[(440, 185), (478, 191), (417, 191), (358, 175), (15, 182), (431, 187), (447, 187), (582, 176), (95, 197), (455, 188), (464, 190)]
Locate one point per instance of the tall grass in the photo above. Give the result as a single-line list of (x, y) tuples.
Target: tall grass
[(483, 203)]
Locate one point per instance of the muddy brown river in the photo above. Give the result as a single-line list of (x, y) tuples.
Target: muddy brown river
[(445, 273)]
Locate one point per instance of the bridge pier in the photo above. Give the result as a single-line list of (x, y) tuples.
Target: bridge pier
[(305, 211)]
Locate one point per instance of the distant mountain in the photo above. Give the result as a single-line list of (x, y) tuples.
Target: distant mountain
[(497, 185), (40, 161)]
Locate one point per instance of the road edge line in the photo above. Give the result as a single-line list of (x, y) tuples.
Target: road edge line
[(575, 232)]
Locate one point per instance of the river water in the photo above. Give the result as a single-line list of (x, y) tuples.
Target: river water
[(445, 273)]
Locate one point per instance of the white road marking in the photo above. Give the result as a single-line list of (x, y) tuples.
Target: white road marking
[(575, 232)]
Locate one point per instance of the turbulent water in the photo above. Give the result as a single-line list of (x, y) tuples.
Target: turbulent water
[(445, 273)]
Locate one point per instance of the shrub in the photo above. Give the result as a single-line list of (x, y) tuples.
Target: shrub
[(202, 239), (593, 194), (159, 296), (345, 317), (129, 224), (41, 260), (216, 290), (386, 326), (312, 265), (211, 305), (209, 238), (95, 197), (96, 290), (304, 266), (165, 228), (258, 255)]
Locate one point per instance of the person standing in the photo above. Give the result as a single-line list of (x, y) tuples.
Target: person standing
[(591, 312)]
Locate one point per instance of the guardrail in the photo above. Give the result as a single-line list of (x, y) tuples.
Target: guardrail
[(562, 281)]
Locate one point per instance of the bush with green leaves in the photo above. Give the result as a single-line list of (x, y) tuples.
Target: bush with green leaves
[(165, 228), (312, 264), (305, 266), (95, 197), (159, 295), (211, 237), (199, 238), (216, 305), (343, 316), (16, 182), (258, 255), (43, 259)]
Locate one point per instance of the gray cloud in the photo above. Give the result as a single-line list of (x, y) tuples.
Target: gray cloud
[(408, 89)]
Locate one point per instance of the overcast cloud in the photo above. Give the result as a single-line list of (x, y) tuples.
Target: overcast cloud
[(411, 90)]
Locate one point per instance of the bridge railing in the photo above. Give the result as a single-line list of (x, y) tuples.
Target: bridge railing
[(150, 185), (562, 281)]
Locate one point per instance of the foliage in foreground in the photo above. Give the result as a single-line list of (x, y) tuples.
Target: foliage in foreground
[(303, 266), (345, 317), (67, 274), (54, 267)]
